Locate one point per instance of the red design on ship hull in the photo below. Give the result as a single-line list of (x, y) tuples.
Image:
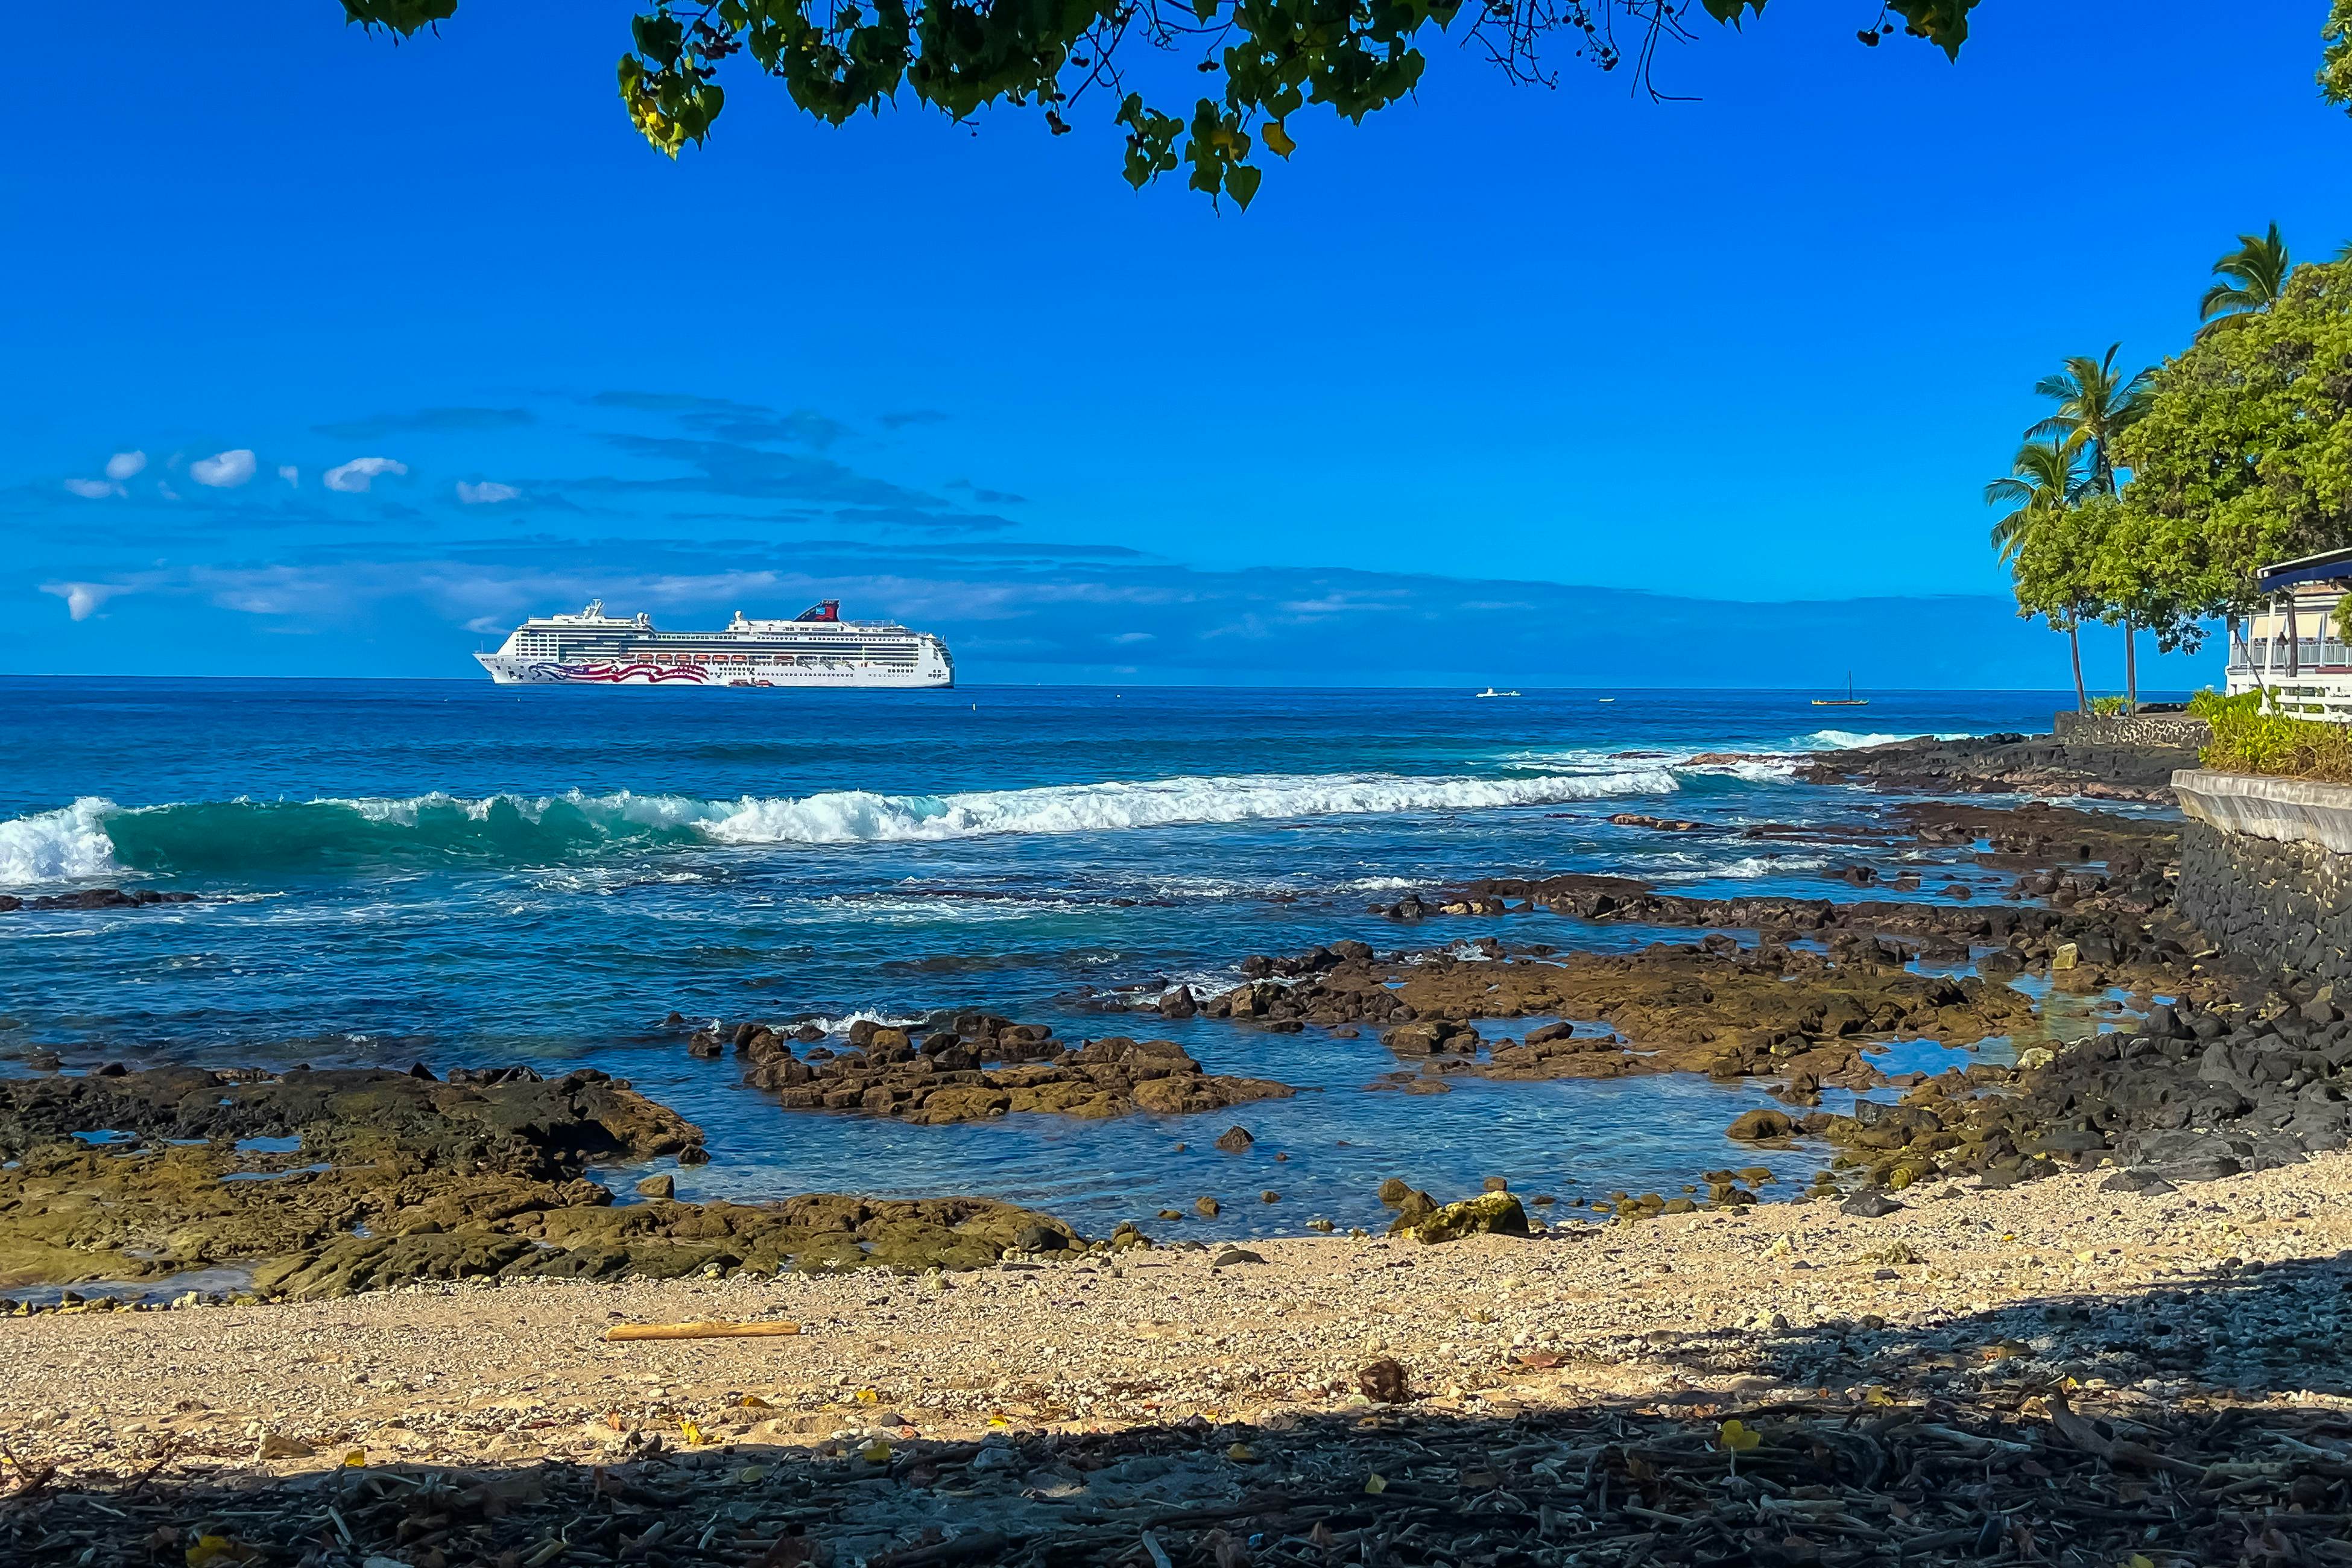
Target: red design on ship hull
[(621, 674)]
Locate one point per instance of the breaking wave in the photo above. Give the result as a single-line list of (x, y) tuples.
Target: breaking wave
[(1850, 741), (95, 838), (62, 846)]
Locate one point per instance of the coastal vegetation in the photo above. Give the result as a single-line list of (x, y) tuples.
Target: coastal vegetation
[(2149, 499), (1260, 63), (2254, 734)]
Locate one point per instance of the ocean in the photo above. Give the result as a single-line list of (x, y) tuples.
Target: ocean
[(465, 875)]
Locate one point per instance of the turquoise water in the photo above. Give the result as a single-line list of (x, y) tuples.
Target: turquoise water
[(466, 874)]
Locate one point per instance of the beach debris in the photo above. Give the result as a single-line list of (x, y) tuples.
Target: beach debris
[(1382, 1381), (715, 1329), (2010, 1462)]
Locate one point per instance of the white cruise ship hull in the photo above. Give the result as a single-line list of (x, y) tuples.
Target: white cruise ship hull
[(507, 669), (816, 648)]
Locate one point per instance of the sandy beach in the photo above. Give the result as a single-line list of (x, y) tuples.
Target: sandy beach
[(1703, 1310)]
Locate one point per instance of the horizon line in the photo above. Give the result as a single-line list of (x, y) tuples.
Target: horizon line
[(2146, 693)]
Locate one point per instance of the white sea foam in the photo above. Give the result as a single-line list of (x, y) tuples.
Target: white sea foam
[(1755, 770), (1850, 741), (856, 817), (75, 842), (59, 846), (1763, 765), (862, 1015), (1771, 865)]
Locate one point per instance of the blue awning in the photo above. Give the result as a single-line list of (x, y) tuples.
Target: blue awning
[(2331, 566)]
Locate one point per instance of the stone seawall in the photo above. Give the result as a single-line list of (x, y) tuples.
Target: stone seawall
[(2266, 870), (2131, 729)]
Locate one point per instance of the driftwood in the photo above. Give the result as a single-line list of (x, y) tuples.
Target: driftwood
[(715, 1330)]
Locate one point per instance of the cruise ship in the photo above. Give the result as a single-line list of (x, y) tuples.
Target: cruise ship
[(815, 647)]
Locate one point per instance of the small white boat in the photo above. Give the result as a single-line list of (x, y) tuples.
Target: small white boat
[(1490, 692)]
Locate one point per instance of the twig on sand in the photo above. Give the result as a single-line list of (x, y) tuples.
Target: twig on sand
[(716, 1330)]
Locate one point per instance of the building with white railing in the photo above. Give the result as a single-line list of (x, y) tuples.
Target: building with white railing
[(2291, 646)]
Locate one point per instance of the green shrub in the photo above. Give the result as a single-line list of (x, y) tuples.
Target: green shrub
[(2107, 707), (2253, 733)]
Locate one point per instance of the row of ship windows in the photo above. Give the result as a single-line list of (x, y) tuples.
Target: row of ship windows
[(700, 661), (888, 655)]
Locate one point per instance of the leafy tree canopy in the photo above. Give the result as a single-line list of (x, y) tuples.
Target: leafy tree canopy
[(2244, 454), (2056, 563), (2336, 62), (1260, 61)]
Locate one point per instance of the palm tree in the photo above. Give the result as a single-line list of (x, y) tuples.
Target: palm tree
[(2255, 275), (2095, 405), (2042, 482)]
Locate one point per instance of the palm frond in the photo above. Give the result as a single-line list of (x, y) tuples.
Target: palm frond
[(2045, 478), (2256, 271)]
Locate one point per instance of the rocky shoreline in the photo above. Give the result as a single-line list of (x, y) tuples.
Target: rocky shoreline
[(2035, 1309), (323, 1184), (366, 1180), (96, 899), (944, 1079), (2010, 765)]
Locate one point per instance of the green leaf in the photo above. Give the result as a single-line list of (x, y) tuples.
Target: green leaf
[(403, 17), (659, 37), (2335, 57), (1729, 10), (1944, 23)]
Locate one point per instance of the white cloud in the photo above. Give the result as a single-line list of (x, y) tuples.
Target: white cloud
[(93, 490), (352, 477), (222, 470), (289, 473), (487, 493), (122, 464), (83, 599), (166, 491)]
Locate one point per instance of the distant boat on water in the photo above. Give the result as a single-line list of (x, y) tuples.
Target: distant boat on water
[(1490, 692), (1848, 701)]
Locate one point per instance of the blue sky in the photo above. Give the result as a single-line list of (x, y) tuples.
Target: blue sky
[(1491, 347)]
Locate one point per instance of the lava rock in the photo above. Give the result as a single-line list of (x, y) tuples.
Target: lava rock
[(1496, 1214), (1870, 1203)]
